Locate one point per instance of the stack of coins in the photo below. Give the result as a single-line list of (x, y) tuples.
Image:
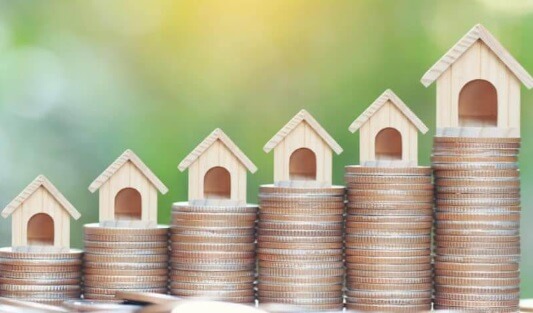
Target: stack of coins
[(300, 247), (477, 242), (132, 259), (213, 251), (48, 278), (388, 239)]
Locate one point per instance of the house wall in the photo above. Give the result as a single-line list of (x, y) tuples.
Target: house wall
[(128, 176), (479, 62), (388, 116), (41, 201), (303, 136), (217, 155)]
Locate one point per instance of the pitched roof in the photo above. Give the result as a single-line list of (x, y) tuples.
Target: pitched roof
[(478, 32), (41, 180), (128, 155), (217, 134), (300, 117), (388, 95)]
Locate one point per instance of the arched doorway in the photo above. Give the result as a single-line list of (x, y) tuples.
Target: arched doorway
[(128, 204), (302, 165), (217, 183), (41, 230), (478, 104), (388, 144)]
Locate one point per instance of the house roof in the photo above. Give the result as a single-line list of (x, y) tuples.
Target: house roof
[(302, 116), (128, 155), (41, 180), (217, 134), (388, 95), (478, 32)]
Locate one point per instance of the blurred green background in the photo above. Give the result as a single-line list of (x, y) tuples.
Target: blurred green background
[(80, 81)]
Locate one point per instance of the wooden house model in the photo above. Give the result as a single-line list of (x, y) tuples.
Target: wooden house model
[(40, 218), (303, 152), (388, 132), (478, 88), (128, 192), (217, 171)]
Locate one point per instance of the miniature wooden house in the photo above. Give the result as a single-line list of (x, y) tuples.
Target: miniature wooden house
[(40, 218), (128, 192), (388, 133), (303, 151), (478, 88), (217, 170)]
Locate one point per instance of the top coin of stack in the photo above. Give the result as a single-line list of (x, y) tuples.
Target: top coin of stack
[(388, 238), (300, 247), (477, 242), (213, 252), (48, 278), (133, 259)]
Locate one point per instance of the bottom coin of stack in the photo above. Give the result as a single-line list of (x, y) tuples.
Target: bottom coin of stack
[(477, 219), (48, 278), (213, 251), (300, 244), (131, 259), (388, 239)]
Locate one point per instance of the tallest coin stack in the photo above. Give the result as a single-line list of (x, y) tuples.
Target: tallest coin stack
[(477, 243)]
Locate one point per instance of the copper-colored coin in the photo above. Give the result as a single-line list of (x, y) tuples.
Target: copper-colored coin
[(300, 294), (387, 231), (299, 239), (217, 247), (41, 288), (41, 275), (385, 198), (477, 217), (391, 212), (399, 294), (477, 252), (390, 301), (211, 267), (108, 272), (309, 272), (477, 232), (477, 304), (210, 216), (367, 170), (41, 262), (125, 279), (391, 225), (300, 218), (41, 281), (37, 269), (408, 194), (293, 287), (304, 279), (193, 224), (213, 261), (391, 308), (478, 190), (472, 267), (212, 280), (214, 293), (393, 260), (214, 286), (125, 285), (300, 265), (298, 233), (213, 275), (390, 247), (380, 240), (470, 174), (478, 239), (478, 282), (491, 259), (126, 238), (389, 219), (111, 265), (213, 255), (388, 280), (474, 224), (474, 183), (389, 274), (124, 245), (303, 211), (388, 287), (298, 301), (479, 297), (391, 187), (299, 246), (73, 254), (247, 239), (102, 251), (405, 267), (317, 206), (479, 210), (465, 196), (271, 189), (352, 254), (478, 274), (392, 205), (413, 180), (477, 245), (300, 225), (96, 229), (125, 258), (479, 290), (304, 258), (212, 208), (211, 231)]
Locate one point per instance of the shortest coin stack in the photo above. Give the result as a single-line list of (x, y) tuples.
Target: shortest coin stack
[(49, 278), (300, 247), (388, 239), (213, 251), (131, 259)]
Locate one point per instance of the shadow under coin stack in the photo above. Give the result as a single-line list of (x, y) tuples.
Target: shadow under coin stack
[(126, 250), (300, 247), (213, 252), (388, 238), (124, 259), (477, 243), (48, 278)]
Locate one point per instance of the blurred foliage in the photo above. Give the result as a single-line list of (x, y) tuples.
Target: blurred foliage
[(80, 81)]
